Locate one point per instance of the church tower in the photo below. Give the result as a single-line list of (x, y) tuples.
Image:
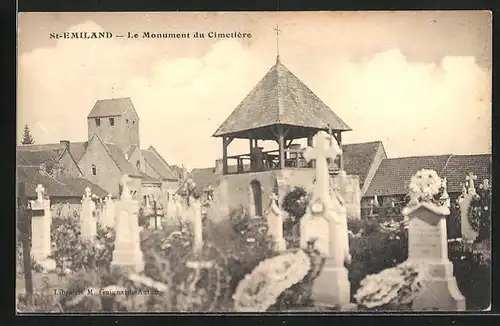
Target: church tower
[(115, 121)]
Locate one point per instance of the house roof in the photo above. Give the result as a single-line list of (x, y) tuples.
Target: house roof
[(68, 187), (130, 150), (111, 107), (148, 179), (358, 158), (280, 98), (204, 177), (119, 158), (49, 156), (158, 164), (393, 175)]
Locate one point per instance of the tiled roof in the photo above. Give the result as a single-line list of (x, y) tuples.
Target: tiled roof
[(459, 166), (148, 179), (111, 107), (48, 155), (393, 175), (358, 158), (204, 177), (68, 187), (121, 162), (78, 149), (280, 98), (158, 165)]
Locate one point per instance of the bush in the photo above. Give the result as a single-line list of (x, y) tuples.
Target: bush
[(295, 203)]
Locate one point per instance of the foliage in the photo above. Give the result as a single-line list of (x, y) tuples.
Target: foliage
[(239, 219), (295, 203), (480, 211), (72, 254), (27, 137)]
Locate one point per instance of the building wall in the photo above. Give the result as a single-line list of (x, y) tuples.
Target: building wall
[(131, 128), (169, 186), (137, 156), (67, 167), (108, 175), (380, 155)]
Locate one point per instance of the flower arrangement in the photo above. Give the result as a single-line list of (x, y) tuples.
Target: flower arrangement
[(392, 288), (260, 289), (427, 186)]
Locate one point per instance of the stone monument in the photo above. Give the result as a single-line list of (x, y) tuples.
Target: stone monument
[(40, 226), (127, 254), (324, 222), (428, 243), (464, 201), (274, 218), (88, 223)]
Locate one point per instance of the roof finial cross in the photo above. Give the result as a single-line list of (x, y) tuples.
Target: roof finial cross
[(277, 43)]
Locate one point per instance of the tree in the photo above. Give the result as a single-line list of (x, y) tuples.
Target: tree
[(27, 137)]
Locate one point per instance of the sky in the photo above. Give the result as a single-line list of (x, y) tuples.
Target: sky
[(420, 82)]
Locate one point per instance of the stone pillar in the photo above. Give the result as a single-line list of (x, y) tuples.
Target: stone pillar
[(108, 219), (127, 254), (88, 223), (40, 226), (274, 218), (465, 200), (324, 223)]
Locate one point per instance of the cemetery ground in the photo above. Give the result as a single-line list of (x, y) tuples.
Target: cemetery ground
[(238, 246)]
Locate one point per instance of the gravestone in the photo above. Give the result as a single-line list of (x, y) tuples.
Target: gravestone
[(108, 219), (40, 226), (274, 218), (127, 254), (464, 201), (324, 222), (88, 222), (197, 222), (428, 247)]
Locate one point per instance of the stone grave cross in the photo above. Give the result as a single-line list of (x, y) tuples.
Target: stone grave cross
[(87, 220), (325, 222), (39, 192), (324, 149)]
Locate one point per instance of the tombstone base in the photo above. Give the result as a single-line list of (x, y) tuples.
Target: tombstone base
[(441, 292), (39, 255), (128, 261), (279, 245), (332, 288)]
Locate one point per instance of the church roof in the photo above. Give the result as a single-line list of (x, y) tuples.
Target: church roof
[(121, 162), (281, 98), (111, 107), (394, 174), (158, 164), (78, 149)]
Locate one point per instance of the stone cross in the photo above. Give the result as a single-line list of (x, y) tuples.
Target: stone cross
[(127, 254), (324, 149), (325, 222), (274, 217), (125, 190), (39, 192)]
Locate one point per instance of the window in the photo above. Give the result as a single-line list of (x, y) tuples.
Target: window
[(111, 121), (126, 120), (138, 165), (98, 122), (94, 170)]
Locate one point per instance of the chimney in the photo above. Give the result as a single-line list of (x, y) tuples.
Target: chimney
[(218, 166)]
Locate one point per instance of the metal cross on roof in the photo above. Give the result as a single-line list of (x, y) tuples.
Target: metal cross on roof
[(277, 42), (39, 192)]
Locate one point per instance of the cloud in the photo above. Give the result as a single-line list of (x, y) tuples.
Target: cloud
[(414, 108)]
